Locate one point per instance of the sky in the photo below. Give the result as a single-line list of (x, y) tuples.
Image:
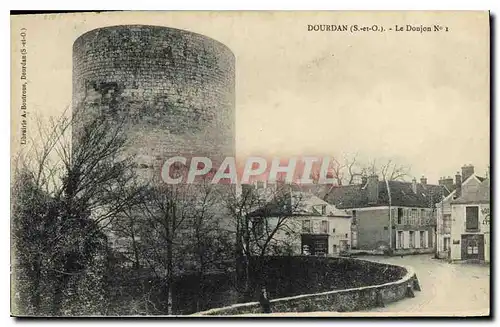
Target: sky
[(421, 99)]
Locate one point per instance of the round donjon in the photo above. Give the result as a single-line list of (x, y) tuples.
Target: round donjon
[(173, 88)]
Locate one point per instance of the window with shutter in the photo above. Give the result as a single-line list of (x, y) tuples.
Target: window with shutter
[(412, 239), (406, 239), (447, 223), (414, 213), (324, 226), (472, 219), (417, 240), (400, 240)]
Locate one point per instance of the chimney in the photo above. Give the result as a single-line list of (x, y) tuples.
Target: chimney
[(458, 182), (467, 171), (414, 185), (423, 180), (446, 181), (372, 189)]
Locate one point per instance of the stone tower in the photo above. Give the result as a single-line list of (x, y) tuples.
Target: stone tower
[(173, 88)]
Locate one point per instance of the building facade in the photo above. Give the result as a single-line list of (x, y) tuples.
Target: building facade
[(443, 227), (315, 227), (390, 216), (470, 227), (467, 181)]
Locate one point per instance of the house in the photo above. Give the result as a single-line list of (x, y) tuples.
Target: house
[(470, 222), (312, 227), (467, 179), (393, 216)]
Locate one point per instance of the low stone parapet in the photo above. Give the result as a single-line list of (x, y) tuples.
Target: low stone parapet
[(353, 299)]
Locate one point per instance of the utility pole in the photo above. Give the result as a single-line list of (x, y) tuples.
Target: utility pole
[(390, 213)]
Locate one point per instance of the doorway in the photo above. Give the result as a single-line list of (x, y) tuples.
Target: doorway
[(472, 247), (315, 244), (344, 245)]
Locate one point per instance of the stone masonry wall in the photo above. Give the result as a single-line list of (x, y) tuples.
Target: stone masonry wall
[(174, 89), (345, 300)]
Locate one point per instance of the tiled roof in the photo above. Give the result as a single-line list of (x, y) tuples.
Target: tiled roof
[(356, 196), (308, 204), (275, 207), (298, 204)]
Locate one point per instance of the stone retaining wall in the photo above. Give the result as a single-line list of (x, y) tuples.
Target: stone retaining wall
[(354, 299), (413, 251)]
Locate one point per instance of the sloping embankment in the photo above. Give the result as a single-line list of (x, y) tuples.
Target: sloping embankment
[(386, 284)]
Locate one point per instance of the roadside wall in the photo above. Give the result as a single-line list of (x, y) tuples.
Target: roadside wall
[(353, 299)]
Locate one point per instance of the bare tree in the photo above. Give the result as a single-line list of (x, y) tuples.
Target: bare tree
[(344, 170), (271, 219), (127, 227), (353, 168), (388, 170), (350, 169), (337, 171), (209, 243), (67, 188), (258, 216), (167, 209)]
